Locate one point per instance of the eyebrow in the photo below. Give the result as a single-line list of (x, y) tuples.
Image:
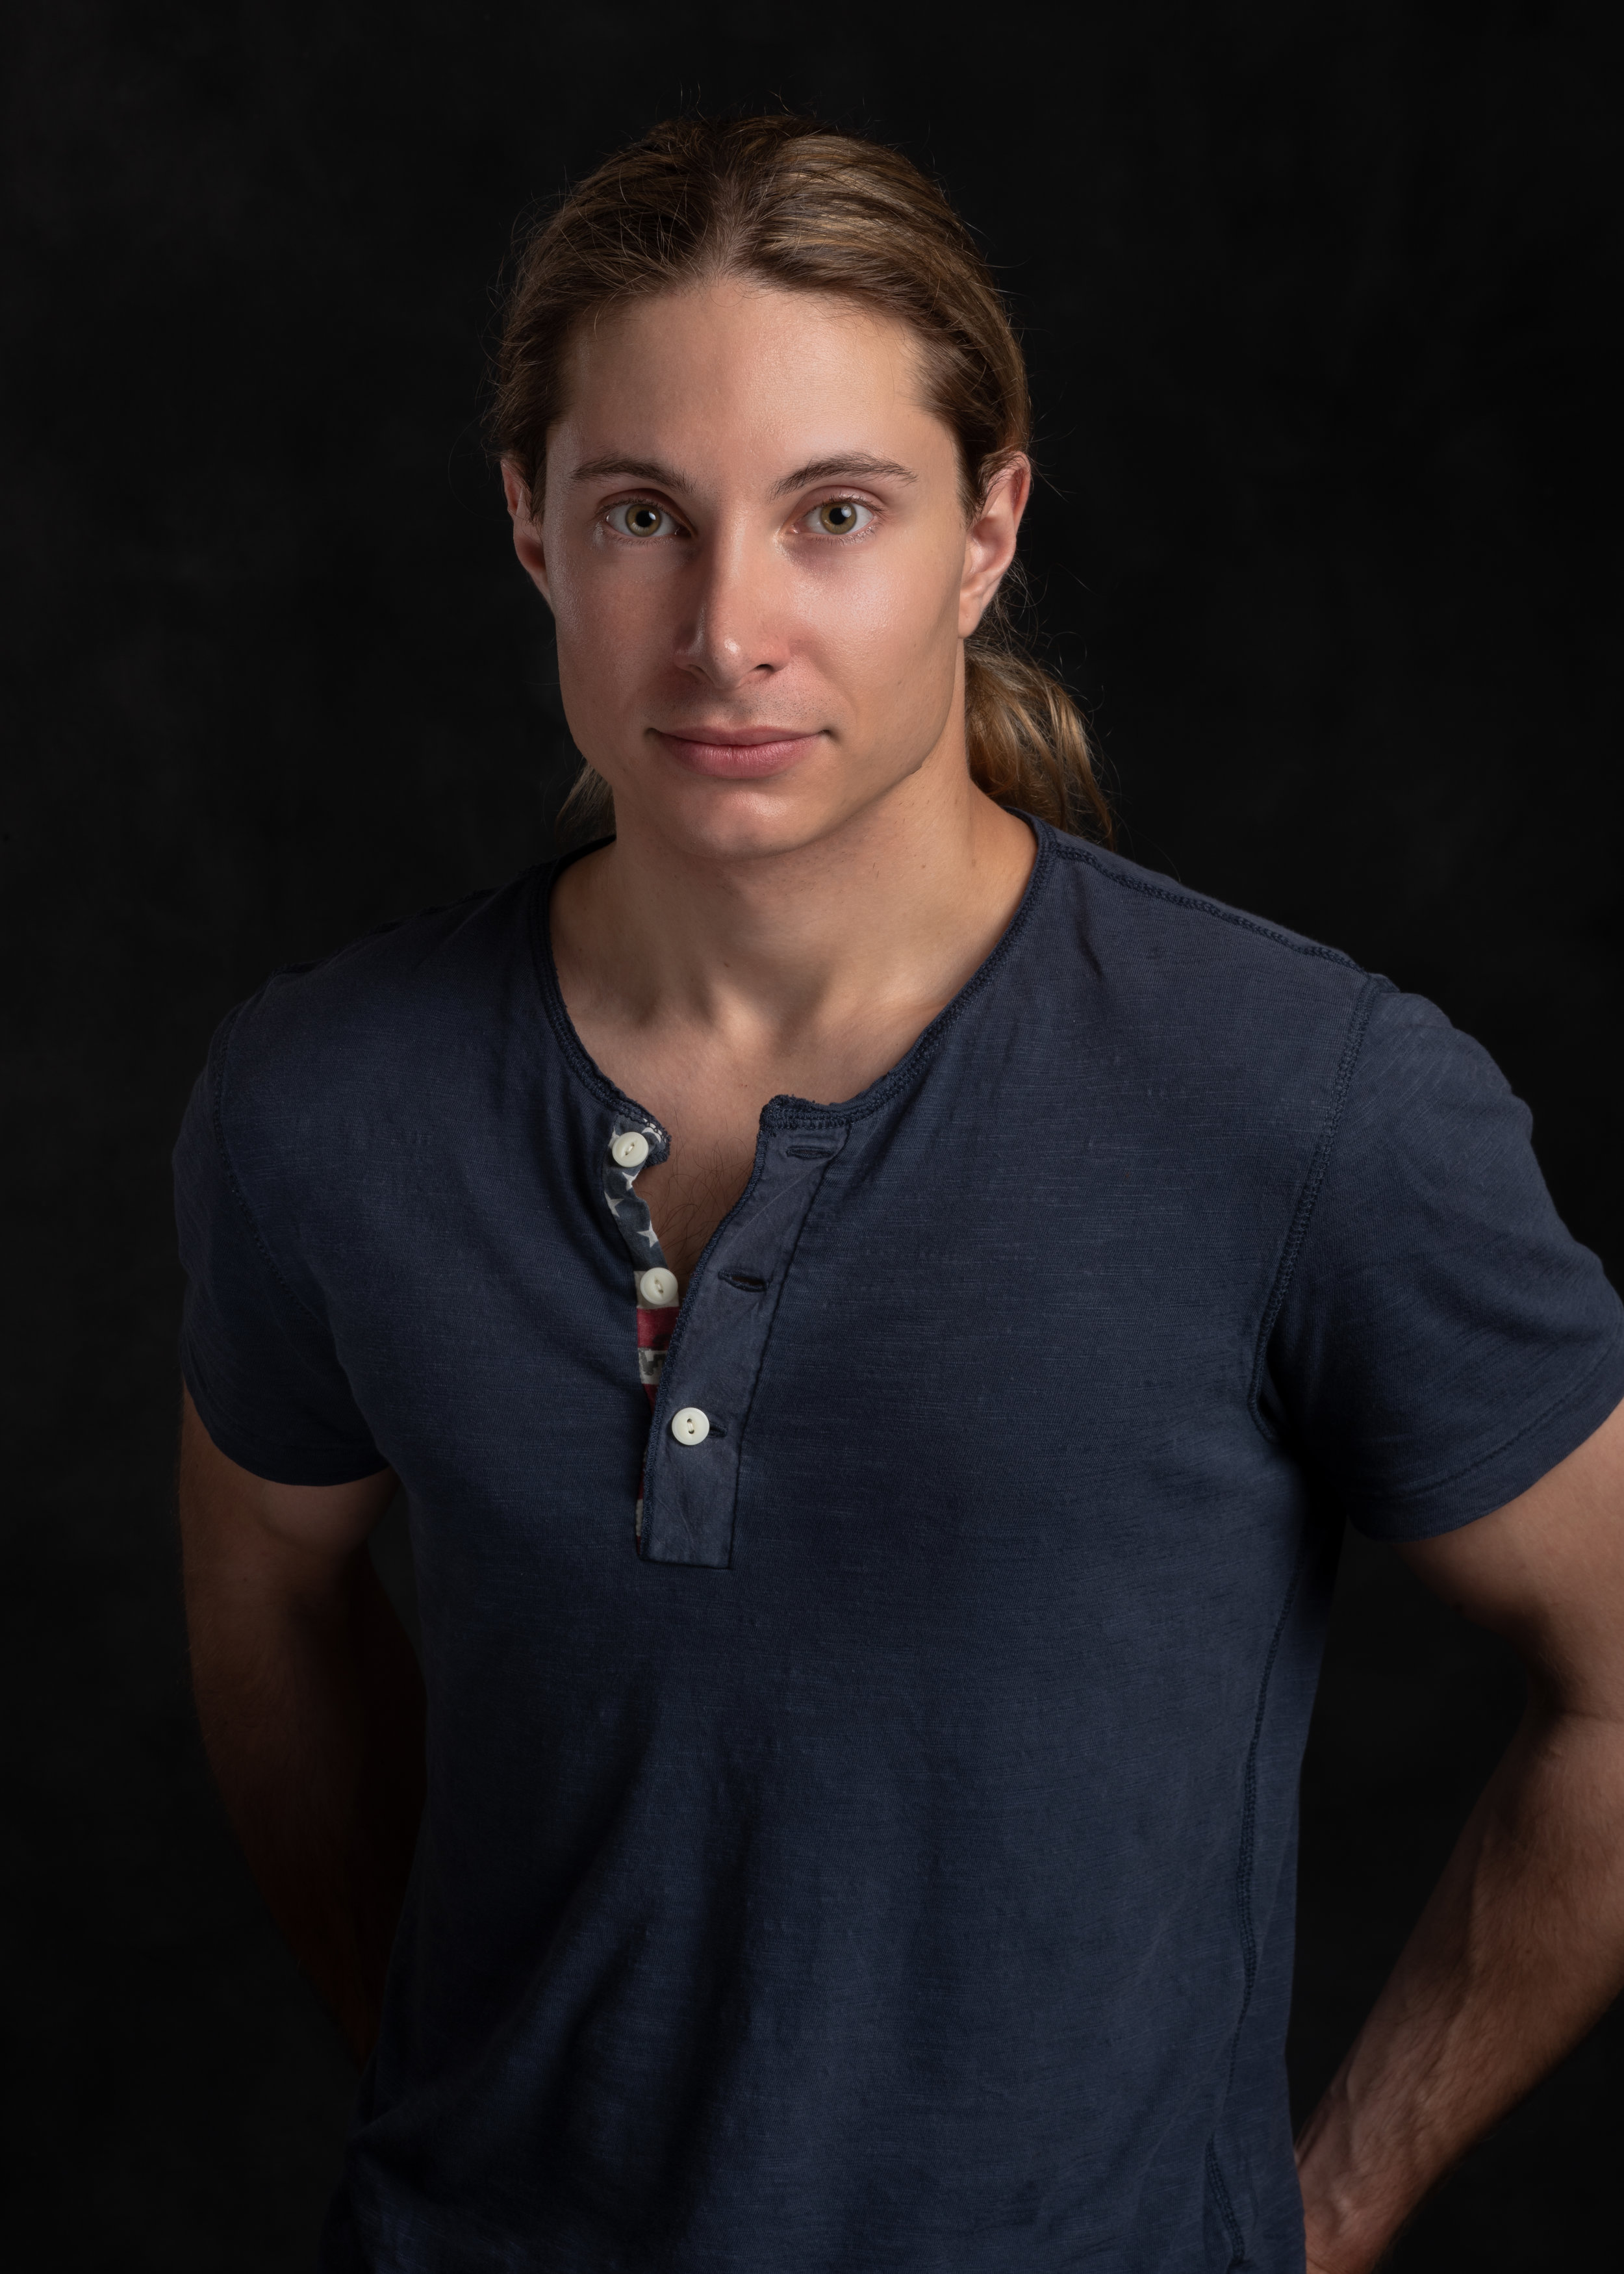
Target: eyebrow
[(829, 470), (859, 464), (633, 470)]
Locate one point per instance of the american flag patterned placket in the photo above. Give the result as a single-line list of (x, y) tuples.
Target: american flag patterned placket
[(651, 1276)]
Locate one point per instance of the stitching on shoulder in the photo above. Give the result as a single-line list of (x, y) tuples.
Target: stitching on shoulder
[(1298, 1233), (1193, 901), (217, 1123)]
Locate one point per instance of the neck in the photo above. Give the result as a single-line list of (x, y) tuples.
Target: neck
[(895, 906)]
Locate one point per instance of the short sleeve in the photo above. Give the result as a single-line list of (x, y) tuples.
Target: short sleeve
[(1442, 1340), (260, 1362)]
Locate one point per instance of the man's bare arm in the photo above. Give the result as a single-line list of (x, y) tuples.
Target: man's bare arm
[(1521, 1948), (311, 1707)]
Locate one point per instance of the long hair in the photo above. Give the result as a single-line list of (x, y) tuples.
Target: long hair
[(782, 200)]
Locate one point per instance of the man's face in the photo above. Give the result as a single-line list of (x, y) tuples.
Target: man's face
[(755, 549)]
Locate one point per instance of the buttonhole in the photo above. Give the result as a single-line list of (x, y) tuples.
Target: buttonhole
[(747, 1280), (807, 1152)]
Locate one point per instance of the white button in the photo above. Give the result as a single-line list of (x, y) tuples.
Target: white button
[(630, 1151), (690, 1427), (657, 1289)]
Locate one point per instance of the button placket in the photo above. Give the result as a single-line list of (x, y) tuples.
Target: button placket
[(691, 1484), (632, 1144)]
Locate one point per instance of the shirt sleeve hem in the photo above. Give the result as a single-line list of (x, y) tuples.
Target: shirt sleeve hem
[(1514, 1465), (281, 1464)]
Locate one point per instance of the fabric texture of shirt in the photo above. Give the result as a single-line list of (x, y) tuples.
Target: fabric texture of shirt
[(880, 1859)]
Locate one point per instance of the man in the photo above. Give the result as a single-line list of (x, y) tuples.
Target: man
[(875, 1303)]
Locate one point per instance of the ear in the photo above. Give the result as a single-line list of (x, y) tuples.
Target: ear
[(527, 539), (989, 541)]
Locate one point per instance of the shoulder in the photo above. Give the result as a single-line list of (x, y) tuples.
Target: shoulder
[(1178, 960), (377, 1026), (1243, 967), (1168, 920)]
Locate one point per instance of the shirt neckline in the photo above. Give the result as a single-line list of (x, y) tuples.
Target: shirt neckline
[(784, 1111)]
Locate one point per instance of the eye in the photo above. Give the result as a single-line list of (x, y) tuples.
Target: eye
[(839, 516), (639, 518)]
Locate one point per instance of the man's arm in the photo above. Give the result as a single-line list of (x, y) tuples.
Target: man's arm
[(1521, 1948), (311, 1707)]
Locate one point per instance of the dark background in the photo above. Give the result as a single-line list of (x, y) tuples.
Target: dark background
[(1318, 299)]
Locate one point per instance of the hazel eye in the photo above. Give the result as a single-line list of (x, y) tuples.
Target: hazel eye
[(639, 518), (839, 516)]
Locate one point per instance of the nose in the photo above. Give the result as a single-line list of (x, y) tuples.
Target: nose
[(736, 630)]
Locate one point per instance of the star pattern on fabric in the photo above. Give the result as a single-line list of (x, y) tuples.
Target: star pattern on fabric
[(636, 1230)]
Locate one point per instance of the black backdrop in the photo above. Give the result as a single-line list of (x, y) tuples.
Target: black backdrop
[(1317, 300)]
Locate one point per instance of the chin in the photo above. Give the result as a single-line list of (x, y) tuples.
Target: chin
[(745, 821), (746, 825)]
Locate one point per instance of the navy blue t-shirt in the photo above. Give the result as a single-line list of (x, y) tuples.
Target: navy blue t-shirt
[(879, 1861)]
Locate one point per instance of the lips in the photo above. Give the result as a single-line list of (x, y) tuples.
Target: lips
[(737, 753)]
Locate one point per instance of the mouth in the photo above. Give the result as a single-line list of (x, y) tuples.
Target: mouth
[(737, 753)]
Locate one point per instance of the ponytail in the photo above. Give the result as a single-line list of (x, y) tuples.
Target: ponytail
[(1028, 744)]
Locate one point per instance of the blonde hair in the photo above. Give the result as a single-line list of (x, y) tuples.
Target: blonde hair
[(781, 198)]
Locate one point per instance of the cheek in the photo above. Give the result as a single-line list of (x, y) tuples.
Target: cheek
[(592, 653), (609, 626), (587, 607), (889, 624)]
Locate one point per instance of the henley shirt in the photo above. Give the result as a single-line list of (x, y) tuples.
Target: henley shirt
[(860, 1831)]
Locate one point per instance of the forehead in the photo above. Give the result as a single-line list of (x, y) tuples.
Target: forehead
[(740, 371)]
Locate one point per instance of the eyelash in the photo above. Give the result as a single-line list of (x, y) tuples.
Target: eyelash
[(647, 537)]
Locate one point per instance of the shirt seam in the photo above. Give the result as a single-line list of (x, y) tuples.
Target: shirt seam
[(1296, 1233), (1179, 898)]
